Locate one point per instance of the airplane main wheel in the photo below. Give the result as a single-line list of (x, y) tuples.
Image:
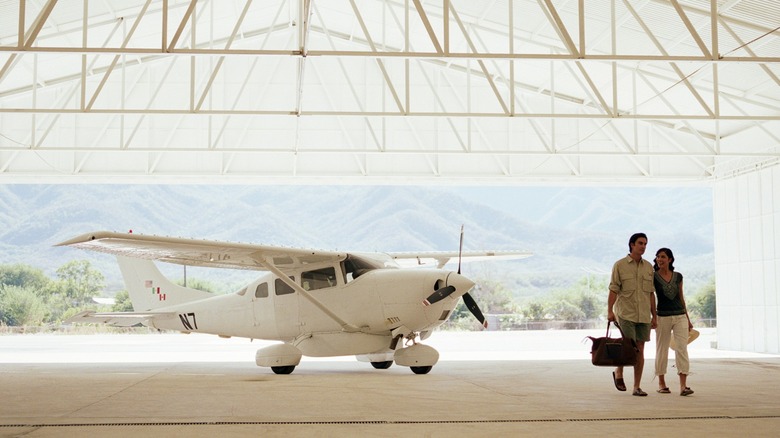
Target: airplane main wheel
[(283, 370), (382, 365), (421, 370)]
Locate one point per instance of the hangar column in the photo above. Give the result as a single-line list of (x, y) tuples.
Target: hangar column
[(747, 261)]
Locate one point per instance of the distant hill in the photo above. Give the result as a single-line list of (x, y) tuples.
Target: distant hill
[(572, 231)]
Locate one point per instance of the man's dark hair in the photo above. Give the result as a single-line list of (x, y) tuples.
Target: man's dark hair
[(634, 238)]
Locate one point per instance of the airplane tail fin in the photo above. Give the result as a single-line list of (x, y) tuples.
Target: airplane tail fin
[(149, 289)]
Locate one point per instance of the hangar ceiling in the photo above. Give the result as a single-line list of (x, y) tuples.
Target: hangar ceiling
[(388, 90)]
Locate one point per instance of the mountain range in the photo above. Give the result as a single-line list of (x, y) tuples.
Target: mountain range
[(573, 231)]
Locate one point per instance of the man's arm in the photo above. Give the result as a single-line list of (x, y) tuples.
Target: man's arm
[(614, 288), (610, 303), (653, 319)]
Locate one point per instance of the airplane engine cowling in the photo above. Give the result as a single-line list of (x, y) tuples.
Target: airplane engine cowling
[(417, 355), (279, 355)]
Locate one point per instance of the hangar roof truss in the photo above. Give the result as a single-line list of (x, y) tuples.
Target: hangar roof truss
[(388, 90)]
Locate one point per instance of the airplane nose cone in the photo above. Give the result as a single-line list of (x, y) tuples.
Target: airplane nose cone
[(461, 283)]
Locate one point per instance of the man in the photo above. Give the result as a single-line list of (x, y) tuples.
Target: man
[(631, 303)]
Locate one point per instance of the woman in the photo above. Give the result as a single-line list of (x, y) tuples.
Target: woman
[(673, 320)]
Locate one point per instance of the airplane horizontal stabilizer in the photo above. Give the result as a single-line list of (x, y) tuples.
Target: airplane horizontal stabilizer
[(117, 319)]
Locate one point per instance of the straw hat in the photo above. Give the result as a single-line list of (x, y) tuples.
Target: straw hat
[(692, 335)]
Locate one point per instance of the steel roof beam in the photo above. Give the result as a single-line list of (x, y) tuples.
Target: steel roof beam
[(427, 24), (320, 113), (28, 39), (114, 62), (589, 57), (770, 153), (221, 60), (692, 30), (378, 61), (481, 63)]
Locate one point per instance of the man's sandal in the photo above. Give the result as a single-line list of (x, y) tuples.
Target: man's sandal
[(619, 383)]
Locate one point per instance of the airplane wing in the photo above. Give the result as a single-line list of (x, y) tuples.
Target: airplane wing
[(441, 258), (195, 252), (118, 319)]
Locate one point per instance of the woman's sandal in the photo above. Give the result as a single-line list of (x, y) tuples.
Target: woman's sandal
[(664, 390)]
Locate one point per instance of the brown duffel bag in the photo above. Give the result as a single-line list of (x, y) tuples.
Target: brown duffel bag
[(613, 352)]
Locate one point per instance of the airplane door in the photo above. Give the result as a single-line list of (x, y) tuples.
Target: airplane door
[(286, 309), (263, 311)]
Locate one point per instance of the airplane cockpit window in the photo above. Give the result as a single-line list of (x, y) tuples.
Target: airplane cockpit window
[(318, 278), (282, 288), (355, 266), (262, 290)]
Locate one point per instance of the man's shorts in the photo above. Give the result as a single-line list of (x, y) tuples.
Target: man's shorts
[(637, 331)]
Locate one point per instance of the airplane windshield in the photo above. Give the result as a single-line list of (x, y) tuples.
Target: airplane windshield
[(355, 266)]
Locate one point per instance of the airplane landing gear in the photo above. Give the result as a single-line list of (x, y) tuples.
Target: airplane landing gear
[(283, 370), (421, 370), (420, 358), (282, 358), (383, 365)]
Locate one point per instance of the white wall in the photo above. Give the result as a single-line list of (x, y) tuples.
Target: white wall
[(747, 261)]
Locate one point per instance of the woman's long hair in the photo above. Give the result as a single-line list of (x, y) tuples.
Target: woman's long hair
[(669, 254)]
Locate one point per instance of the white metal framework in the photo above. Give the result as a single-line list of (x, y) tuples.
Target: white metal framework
[(388, 90)]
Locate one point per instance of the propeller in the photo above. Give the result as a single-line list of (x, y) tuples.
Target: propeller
[(444, 292), (467, 299), (474, 309), (439, 294)]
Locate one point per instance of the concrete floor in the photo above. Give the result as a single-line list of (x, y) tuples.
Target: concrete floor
[(486, 384)]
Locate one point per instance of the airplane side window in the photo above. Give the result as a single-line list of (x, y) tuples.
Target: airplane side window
[(262, 290), (282, 288), (319, 278)]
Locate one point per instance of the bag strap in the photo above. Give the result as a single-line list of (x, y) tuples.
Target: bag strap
[(616, 325)]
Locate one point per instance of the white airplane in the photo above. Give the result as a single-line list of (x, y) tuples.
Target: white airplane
[(318, 303)]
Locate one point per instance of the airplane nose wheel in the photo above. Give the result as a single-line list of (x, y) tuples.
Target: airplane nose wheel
[(283, 369), (418, 357), (412, 340), (421, 370)]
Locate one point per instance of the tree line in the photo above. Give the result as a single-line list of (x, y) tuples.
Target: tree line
[(28, 297)]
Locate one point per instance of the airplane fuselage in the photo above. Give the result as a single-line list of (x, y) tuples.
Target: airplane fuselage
[(377, 302)]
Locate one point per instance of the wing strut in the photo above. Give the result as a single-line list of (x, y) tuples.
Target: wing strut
[(270, 266)]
